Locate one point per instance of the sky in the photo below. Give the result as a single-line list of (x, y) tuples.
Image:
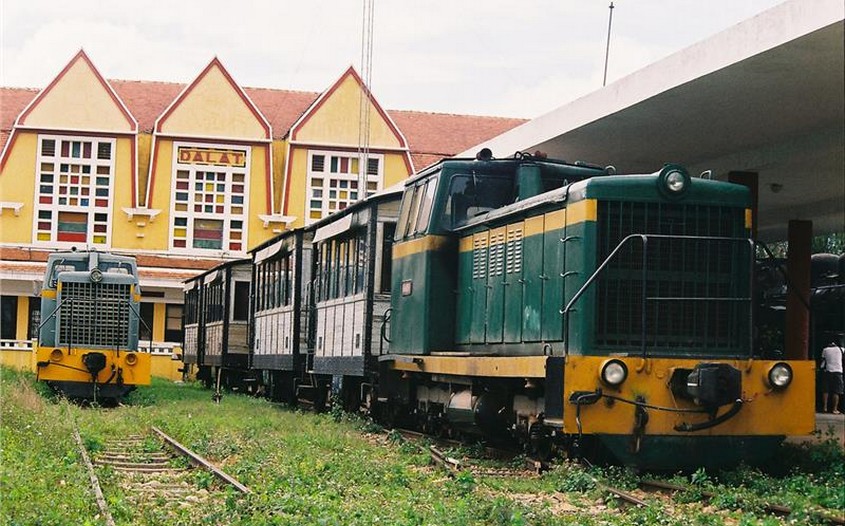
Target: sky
[(492, 57)]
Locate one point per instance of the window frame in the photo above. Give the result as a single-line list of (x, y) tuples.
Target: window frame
[(228, 216), (326, 176), (42, 236)]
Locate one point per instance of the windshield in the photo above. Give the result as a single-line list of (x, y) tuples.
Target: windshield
[(471, 195)]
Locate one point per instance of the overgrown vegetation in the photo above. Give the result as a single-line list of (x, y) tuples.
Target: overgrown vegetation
[(337, 469)]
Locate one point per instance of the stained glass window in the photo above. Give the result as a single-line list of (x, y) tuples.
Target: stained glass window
[(335, 181), (74, 188), (209, 198)]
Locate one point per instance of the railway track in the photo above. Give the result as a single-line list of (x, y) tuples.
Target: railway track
[(436, 451), (672, 488), (439, 453), (151, 470)]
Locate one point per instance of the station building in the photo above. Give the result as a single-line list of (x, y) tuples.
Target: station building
[(185, 176)]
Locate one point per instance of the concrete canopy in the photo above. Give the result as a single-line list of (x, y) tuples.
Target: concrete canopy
[(767, 95)]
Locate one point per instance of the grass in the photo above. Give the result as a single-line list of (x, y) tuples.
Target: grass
[(333, 469)]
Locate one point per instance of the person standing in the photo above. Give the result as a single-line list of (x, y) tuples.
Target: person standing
[(833, 382)]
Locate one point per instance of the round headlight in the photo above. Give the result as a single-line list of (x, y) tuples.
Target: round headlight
[(780, 375), (675, 182), (614, 372), (56, 355), (131, 359), (96, 275)]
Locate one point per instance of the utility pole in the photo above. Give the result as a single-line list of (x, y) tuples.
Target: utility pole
[(607, 51)]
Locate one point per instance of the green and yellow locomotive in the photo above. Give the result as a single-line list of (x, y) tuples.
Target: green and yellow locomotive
[(562, 303), (88, 339)]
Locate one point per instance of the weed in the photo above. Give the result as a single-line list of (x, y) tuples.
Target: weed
[(464, 483), (576, 479), (203, 479)]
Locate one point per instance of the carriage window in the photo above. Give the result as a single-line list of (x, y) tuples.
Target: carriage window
[(473, 195), (240, 312), (386, 260)]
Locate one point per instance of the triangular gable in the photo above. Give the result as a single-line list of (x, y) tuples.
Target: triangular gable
[(60, 105), (335, 116), (213, 105)]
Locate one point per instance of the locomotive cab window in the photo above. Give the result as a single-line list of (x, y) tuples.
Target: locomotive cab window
[(471, 195), (415, 212)]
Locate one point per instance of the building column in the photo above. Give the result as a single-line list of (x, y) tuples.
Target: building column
[(800, 239), (159, 321), (751, 181), (22, 323)]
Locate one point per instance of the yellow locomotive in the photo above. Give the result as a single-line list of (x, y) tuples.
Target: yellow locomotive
[(88, 338)]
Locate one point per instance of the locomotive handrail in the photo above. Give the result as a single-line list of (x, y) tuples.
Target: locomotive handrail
[(804, 301), (644, 299), (385, 320)]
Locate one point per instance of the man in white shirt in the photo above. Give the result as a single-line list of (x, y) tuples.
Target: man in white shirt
[(832, 376)]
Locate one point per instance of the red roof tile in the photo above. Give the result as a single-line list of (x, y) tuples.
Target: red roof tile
[(12, 103), (431, 136)]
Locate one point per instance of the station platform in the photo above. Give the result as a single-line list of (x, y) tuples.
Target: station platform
[(828, 426)]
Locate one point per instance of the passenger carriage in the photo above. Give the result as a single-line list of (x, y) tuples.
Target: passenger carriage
[(351, 295), (217, 323), (281, 285)]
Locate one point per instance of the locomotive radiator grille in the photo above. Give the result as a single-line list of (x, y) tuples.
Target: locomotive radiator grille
[(94, 314), (696, 290)]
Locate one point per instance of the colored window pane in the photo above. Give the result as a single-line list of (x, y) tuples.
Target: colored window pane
[(48, 147)]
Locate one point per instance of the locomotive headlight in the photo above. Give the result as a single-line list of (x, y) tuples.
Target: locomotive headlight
[(614, 372), (780, 375), (673, 180), (96, 275), (131, 359)]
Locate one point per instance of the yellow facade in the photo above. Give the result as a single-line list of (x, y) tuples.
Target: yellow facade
[(211, 113), (337, 122), (79, 101), (212, 107), (17, 185)]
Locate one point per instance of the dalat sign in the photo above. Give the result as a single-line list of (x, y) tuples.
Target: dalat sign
[(212, 156)]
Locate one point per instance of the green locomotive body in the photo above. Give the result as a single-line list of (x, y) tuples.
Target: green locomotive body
[(562, 302)]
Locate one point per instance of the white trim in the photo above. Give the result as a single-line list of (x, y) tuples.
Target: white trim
[(151, 213), (11, 206), (276, 218)]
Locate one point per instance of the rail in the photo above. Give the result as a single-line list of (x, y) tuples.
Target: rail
[(200, 461), (644, 238)]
